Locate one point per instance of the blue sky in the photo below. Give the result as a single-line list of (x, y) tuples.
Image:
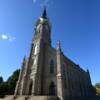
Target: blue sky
[(76, 23)]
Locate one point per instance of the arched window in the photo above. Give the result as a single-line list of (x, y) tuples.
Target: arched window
[(52, 89), (51, 66)]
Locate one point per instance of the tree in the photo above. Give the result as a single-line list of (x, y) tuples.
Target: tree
[(8, 87), (12, 81), (3, 89), (97, 86), (1, 79)]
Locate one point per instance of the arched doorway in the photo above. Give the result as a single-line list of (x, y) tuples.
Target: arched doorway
[(52, 89), (30, 87)]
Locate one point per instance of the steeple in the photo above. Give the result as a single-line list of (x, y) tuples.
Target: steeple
[(44, 13), (43, 28)]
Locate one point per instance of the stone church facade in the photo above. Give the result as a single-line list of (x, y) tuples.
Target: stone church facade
[(48, 71)]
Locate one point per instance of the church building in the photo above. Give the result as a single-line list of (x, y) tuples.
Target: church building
[(47, 71)]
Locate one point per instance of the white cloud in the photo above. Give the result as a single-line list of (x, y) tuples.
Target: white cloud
[(4, 37), (7, 37)]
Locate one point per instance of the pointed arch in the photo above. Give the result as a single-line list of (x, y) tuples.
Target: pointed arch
[(30, 87), (52, 89)]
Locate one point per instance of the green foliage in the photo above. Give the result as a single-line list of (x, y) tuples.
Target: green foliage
[(3, 88), (97, 85), (8, 87), (12, 81), (1, 79), (98, 91)]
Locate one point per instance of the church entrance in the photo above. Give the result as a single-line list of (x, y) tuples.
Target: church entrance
[(52, 89), (30, 88)]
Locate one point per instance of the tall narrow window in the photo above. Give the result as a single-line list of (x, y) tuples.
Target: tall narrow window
[(51, 66)]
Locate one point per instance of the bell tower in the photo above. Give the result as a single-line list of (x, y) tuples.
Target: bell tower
[(41, 39), (35, 64), (43, 28)]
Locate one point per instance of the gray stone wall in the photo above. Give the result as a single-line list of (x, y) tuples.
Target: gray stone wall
[(47, 76), (76, 80)]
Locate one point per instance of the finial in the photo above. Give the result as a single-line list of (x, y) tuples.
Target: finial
[(58, 45), (44, 14), (87, 70), (24, 58)]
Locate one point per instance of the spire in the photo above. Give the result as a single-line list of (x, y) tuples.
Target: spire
[(24, 58), (44, 14), (88, 70)]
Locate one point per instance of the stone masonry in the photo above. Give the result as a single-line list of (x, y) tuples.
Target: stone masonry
[(48, 72)]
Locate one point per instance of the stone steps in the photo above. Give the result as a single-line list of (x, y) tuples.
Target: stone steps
[(11, 97), (8, 97), (31, 98)]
